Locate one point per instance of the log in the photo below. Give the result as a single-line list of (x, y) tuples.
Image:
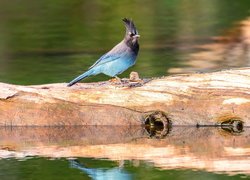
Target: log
[(217, 98)]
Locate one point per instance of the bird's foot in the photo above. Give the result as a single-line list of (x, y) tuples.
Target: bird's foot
[(133, 81), (115, 80)]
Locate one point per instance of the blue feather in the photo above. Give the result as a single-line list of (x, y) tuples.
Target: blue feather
[(82, 76)]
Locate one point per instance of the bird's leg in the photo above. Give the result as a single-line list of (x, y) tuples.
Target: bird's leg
[(116, 79), (121, 164)]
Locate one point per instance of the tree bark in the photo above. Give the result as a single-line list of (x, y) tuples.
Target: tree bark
[(185, 99)]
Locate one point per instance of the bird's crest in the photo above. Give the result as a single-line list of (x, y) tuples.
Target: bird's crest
[(130, 27)]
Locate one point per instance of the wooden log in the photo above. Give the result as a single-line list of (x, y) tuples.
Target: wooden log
[(187, 99)]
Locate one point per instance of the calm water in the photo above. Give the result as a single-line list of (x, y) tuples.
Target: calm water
[(54, 41), (50, 42), (87, 168)]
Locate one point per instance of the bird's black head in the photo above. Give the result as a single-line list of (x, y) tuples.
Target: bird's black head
[(131, 36)]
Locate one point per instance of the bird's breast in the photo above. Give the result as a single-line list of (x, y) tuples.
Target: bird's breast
[(119, 65)]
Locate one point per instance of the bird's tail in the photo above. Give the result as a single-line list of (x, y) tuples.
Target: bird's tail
[(79, 78)]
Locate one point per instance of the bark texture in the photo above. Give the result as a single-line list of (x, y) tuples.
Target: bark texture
[(187, 99)]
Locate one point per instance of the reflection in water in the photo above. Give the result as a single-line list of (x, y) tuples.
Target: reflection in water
[(45, 42), (100, 173), (157, 124), (230, 50), (57, 40), (204, 148)]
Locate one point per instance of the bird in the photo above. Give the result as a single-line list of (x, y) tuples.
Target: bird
[(118, 59)]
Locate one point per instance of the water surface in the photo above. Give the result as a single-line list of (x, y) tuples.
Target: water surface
[(46, 41), (120, 152), (50, 42)]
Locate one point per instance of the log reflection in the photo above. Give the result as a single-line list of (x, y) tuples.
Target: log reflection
[(212, 149)]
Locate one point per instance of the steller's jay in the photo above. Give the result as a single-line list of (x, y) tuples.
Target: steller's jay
[(118, 59)]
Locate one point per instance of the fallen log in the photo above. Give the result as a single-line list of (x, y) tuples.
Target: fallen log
[(217, 98)]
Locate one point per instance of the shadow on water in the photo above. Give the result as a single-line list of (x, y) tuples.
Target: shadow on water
[(189, 151)]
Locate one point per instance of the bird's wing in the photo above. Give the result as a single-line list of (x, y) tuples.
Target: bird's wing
[(105, 59)]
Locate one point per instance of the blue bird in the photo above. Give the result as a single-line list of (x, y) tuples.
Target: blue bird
[(118, 59)]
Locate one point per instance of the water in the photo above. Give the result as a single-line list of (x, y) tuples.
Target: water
[(50, 42), (87, 168), (120, 152), (54, 41)]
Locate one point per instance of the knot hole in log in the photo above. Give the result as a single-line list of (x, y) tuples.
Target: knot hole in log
[(232, 125), (157, 124)]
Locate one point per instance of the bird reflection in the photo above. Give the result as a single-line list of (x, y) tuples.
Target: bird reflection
[(101, 173)]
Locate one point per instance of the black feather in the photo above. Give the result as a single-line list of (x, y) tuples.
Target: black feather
[(130, 27)]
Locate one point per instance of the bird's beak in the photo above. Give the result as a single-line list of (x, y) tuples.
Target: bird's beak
[(137, 36)]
